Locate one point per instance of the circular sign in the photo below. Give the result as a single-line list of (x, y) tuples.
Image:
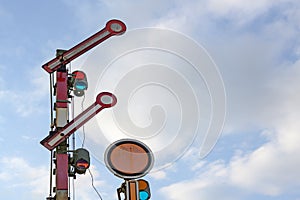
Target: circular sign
[(129, 158), (106, 99), (116, 27)]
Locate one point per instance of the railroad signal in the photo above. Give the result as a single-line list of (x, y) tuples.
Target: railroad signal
[(103, 100), (63, 128), (144, 190), (113, 27), (129, 158), (134, 190), (81, 160), (79, 83)]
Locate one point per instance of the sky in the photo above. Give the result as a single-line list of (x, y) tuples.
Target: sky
[(255, 47)]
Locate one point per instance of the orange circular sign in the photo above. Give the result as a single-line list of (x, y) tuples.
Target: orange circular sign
[(128, 158)]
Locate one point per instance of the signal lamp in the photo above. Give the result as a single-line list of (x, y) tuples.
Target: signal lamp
[(80, 83), (135, 190), (81, 160), (144, 189)]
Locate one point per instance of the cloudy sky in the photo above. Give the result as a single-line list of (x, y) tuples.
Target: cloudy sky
[(255, 45)]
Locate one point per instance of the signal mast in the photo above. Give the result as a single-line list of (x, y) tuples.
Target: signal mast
[(127, 158), (61, 128)]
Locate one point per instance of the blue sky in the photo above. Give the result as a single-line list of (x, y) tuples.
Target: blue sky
[(255, 45)]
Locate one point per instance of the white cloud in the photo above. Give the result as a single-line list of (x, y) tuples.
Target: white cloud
[(18, 173), (210, 184), (239, 10), (26, 102), (185, 190), (96, 14), (263, 93), (158, 175), (270, 170), (249, 59), (273, 168)]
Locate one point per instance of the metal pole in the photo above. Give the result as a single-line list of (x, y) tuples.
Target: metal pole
[(131, 190), (61, 108)]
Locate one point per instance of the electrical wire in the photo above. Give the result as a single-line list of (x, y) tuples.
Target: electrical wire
[(92, 177), (51, 102), (73, 112), (83, 130), (51, 128), (73, 144)]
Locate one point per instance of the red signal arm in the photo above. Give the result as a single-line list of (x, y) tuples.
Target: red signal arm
[(113, 27)]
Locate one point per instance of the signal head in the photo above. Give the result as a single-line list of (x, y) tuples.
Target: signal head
[(81, 160), (144, 189), (79, 81)]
